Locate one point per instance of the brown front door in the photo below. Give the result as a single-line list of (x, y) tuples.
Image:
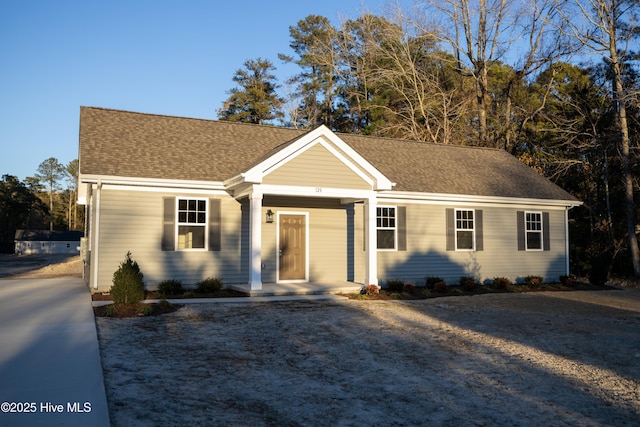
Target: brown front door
[(292, 259)]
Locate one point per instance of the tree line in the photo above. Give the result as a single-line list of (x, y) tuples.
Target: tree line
[(45, 201), (553, 82)]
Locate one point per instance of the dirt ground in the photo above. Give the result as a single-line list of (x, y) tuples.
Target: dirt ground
[(561, 359), (549, 358), (39, 266)]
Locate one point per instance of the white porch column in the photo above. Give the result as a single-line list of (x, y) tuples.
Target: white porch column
[(371, 277), (255, 241)]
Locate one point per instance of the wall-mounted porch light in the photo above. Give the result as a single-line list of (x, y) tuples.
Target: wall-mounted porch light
[(269, 218)]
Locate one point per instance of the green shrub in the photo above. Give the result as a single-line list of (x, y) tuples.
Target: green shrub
[(440, 287), (426, 293), (145, 310), (189, 294), (395, 285), (409, 288), (501, 282), (163, 304), (128, 284), (431, 281), (534, 282), (468, 283), (210, 285), (171, 287), (110, 310)]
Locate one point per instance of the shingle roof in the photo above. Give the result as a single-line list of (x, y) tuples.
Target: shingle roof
[(120, 143), (48, 236)]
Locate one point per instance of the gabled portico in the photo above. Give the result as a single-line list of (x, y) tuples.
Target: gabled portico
[(316, 167)]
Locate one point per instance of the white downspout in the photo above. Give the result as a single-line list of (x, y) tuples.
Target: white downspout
[(96, 228)]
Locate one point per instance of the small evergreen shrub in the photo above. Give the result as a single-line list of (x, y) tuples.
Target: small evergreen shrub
[(501, 282), (171, 287), (145, 310), (440, 287), (164, 304), (128, 284), (210, 285), (534, 282), (409, 288), (189, 294), (395, 285), (431, 281), (111, 311), (468, 283)]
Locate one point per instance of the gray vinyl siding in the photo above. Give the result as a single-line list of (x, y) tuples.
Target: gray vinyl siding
[(316, 167), (133, 221), (426, 253)]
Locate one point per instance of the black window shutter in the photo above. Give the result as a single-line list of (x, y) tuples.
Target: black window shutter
[(215, 225), (521, 231), (451, 230), (168, 224), (546, 233), (479, 234), (401, 224)]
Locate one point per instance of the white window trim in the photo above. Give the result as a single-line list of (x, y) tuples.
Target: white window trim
[(178, 224), (395, 229), (527, 231), (456, 229)]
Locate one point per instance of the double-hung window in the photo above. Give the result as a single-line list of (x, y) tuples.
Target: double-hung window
[(533, 226), (192, 223), (465, 229), (386, 227)]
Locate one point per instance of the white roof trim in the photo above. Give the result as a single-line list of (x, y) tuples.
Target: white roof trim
[(150, 182), (444, 198), (359, 163)]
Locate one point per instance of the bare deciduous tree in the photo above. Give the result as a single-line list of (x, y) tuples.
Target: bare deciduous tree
[(478, 32), (604, 32)]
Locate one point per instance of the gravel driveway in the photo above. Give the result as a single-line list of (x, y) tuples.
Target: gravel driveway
[(562, 359)]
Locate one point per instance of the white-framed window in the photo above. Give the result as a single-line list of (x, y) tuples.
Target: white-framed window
[(192, 224), (465, 229), (533, 231), (386, 226)]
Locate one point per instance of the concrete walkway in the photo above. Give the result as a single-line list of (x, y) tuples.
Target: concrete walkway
[(50, 370)]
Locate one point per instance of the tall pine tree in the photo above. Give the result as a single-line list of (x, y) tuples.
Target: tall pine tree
[(255, 100)]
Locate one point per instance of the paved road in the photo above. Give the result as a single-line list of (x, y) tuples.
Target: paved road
[(50, 370)]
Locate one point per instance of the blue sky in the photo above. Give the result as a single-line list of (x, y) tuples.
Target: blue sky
[(153, 56)]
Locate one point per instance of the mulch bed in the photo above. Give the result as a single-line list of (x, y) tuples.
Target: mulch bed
[(140, 309), (417, 293), (410, 293), (225, 293)]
